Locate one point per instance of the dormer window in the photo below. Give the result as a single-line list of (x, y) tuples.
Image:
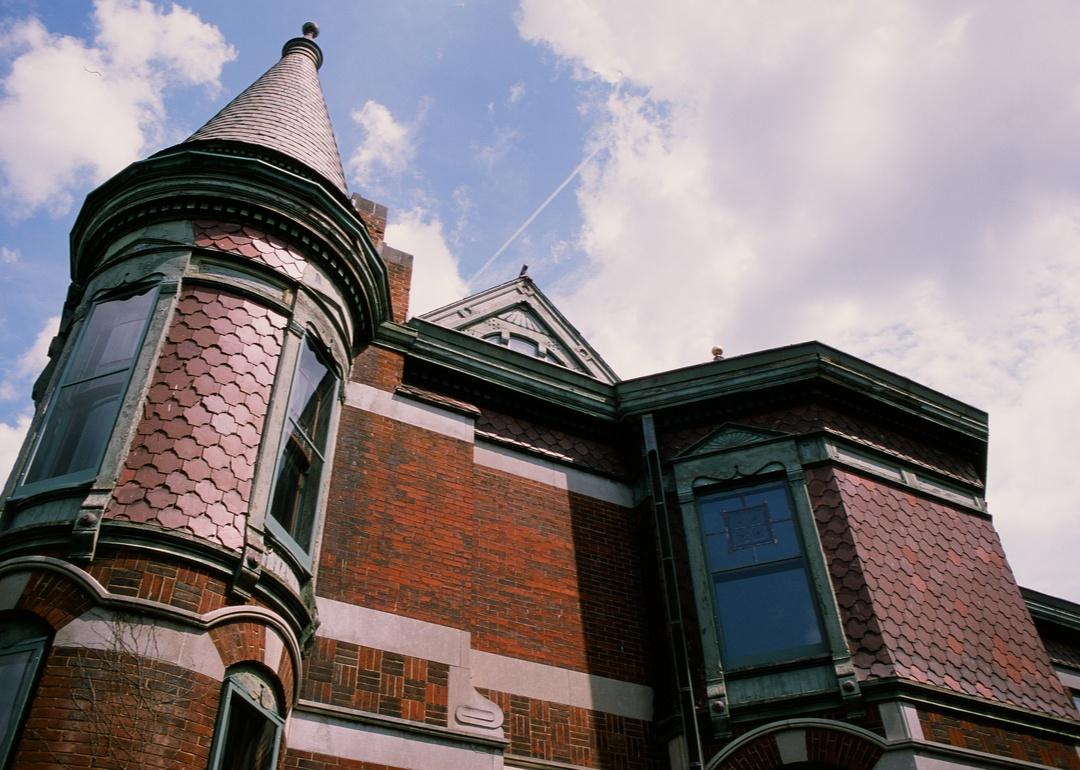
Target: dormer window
[(770, 627), (765, 607)]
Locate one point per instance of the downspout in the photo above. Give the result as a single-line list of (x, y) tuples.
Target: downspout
[(669, 587)]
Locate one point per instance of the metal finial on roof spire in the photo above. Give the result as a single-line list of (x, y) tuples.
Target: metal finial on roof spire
[(284, 110)]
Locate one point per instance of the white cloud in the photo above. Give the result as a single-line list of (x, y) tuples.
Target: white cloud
[(73, 112), (34, 358), (517, 91), (11, 439), (387, 147), (9, 256), (15, 383), (489, 155), (437, 279), (888, 178)]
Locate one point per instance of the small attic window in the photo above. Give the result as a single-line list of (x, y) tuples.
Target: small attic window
[(514, 342), (526, 346)]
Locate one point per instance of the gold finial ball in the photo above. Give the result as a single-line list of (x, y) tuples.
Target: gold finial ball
[(717, 353), (310, 30)]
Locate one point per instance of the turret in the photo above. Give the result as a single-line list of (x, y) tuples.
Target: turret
[(181, 445)]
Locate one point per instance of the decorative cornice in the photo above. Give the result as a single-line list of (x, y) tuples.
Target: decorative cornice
[(1052, 610), (187, 182), (798, 365)]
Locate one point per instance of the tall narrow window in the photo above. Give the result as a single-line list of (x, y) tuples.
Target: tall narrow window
[(300, 464), (766, 611), (249, 724), (84, 407), (22, 645)]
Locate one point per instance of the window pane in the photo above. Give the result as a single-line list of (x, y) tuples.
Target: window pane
[(83, 411), (764, 615), (300, 463), (14, 673), (79, 424), (746, 528), (522, 345), (111, 339), (250, 738), (310, 399)]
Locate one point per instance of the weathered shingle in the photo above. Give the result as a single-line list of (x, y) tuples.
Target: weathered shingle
[(284, 110)]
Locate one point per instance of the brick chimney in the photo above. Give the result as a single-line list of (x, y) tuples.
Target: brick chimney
[(373, 215)]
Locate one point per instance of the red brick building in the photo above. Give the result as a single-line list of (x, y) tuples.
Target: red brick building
[(262, 520)]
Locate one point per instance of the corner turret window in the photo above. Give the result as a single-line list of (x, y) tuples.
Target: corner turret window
[(303, 448), (765, 607), (249, 724), (83, 410), (22, 646)]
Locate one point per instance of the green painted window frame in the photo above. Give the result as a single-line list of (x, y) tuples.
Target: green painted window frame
[(35, 641), (737, 457), (793, 563), (292, 432), (51, 416), (232, 688)]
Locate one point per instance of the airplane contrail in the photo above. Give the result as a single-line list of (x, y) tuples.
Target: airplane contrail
[(534, 215)]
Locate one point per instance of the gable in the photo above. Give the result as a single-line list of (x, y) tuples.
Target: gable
[(519, 316)]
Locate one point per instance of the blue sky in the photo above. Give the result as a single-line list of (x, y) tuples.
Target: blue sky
[(901, 181)]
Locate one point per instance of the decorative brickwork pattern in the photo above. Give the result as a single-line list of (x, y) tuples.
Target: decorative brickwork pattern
[(380, 682), (983, 735), (824, 747), (54, 598), (160, 579), (815, 417), (556, 578), (837, 749), (949, 611), (239, 642), (758, 754), (193, 457), (554, 732), (553, 442), (869, 653), (307, 760), (101, 708), (254, 244)]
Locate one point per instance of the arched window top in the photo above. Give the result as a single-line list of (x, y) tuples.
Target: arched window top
[(23, 641), (249, 725)]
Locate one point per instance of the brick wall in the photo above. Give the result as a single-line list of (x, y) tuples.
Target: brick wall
[(159, 578), (127, 711), (399, 526), (556, 578), (982, 735), (551, 731), (344, 674)]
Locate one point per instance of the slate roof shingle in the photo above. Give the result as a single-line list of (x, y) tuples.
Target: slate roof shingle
[(285, 111)]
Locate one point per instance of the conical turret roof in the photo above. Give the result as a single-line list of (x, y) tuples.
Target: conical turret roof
[(284, 110)]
